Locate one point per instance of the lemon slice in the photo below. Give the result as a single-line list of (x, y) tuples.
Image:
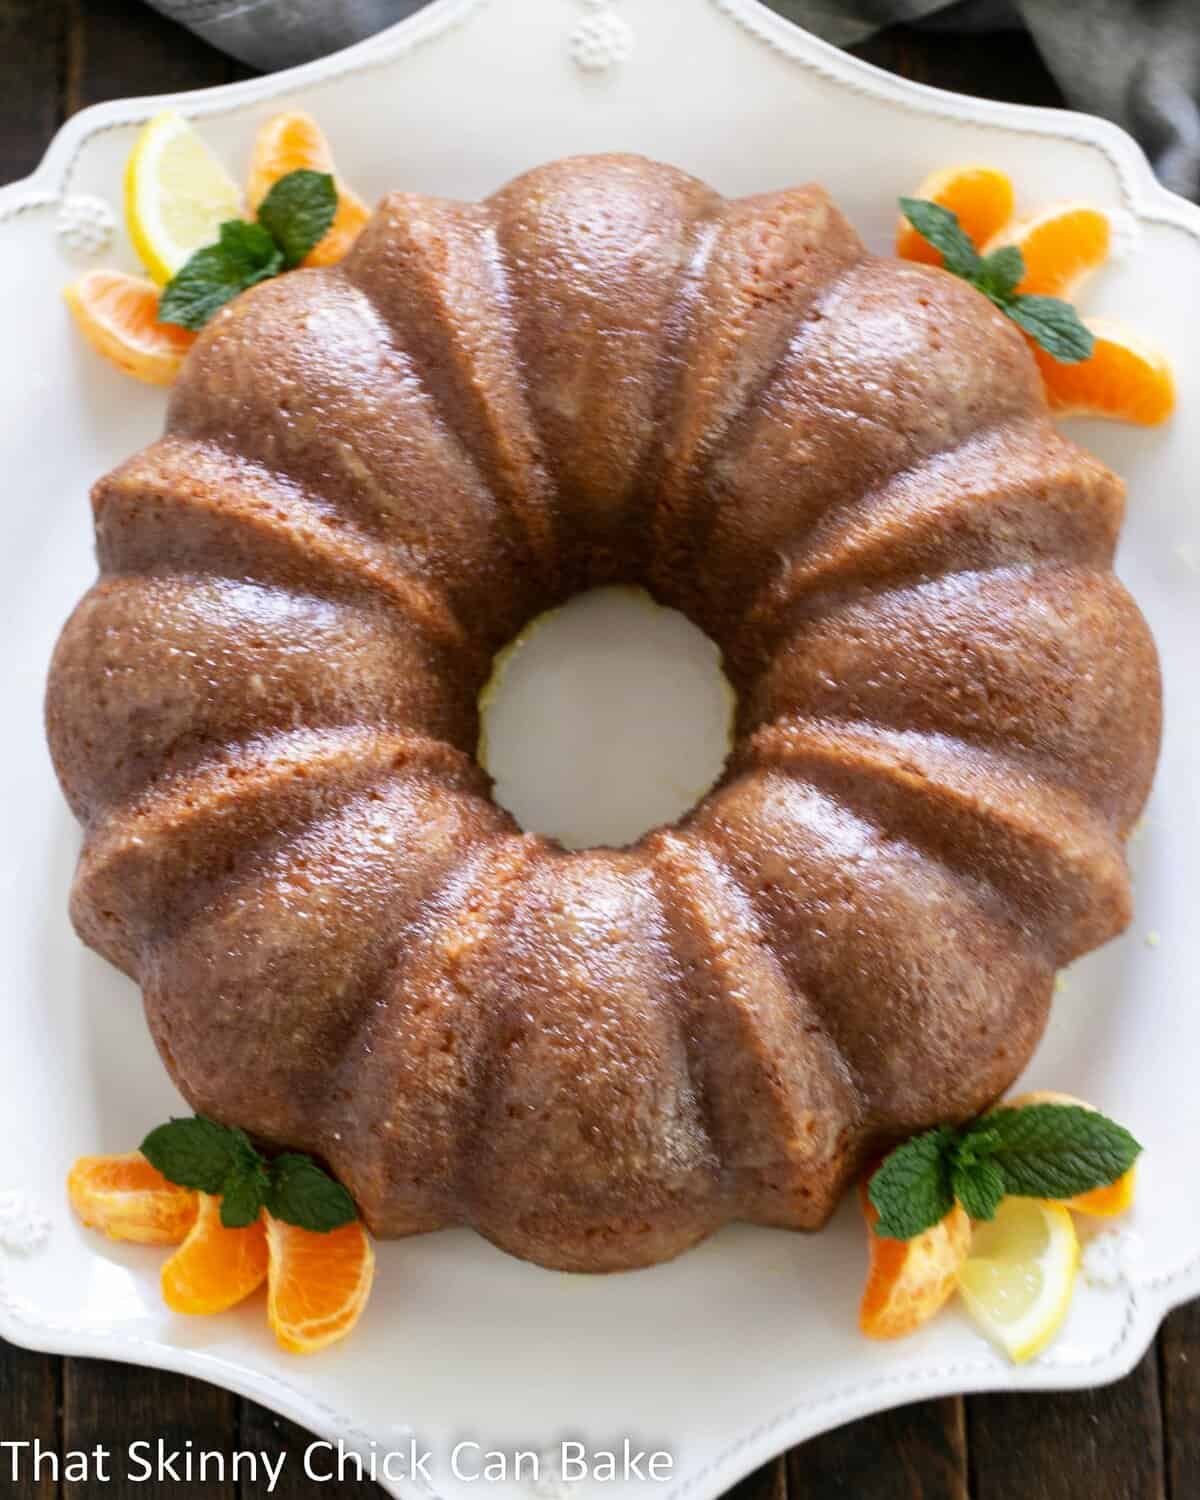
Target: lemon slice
[(1018, 1277), (177, 195)]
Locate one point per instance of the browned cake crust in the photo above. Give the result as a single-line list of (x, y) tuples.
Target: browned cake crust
[(264, 713)]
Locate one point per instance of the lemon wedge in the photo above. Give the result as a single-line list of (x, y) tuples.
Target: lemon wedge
[(177, 195), (1018, 1277)]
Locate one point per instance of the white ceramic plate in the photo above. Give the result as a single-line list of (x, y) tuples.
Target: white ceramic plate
[(747, 1344)]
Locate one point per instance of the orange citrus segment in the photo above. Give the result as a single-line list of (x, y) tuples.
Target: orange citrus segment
[(1124, 378), (118, 315), (981, 197), (318, 1285), (910, 1280), (215, 1268), (1108, 1202), (128, 1199), (1102, 1202), (1062, 245), (292, 141)]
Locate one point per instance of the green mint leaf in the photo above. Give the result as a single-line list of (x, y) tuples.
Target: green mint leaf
[(941, 228), (298, 211), (248, 251), (196, 1153), (244, 1194), (1000, 273), (975, 1146), (1056, 1150), (1053, 324), (220, 1159), (301, 1193), (979, 1187), (911, 1191), (243, 255)]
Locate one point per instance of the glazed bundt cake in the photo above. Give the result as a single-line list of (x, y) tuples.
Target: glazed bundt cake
[(264, 713)]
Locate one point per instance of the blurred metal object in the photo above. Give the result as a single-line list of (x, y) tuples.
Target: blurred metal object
[(271, 34)]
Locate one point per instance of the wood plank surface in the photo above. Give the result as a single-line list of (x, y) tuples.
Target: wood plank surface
[(263, 1430), (121, 47), (1179, 1372), (1104, 1444), (768, 1483), (30, 1397), (916, 1452), (120, 1405), (31, 59), (1000, 65)]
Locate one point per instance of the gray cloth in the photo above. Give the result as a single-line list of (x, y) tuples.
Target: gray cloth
[(272, 34), (1135, 61)]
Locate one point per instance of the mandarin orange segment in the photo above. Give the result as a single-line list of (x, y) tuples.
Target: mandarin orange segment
[(128, 1199), (1102, 1202), (318, 1285), (1062, 245), (215, 1268), (1124, 379), (118, 315), (981, 196), (910, 1280), (288, 143), (1107, 1202)]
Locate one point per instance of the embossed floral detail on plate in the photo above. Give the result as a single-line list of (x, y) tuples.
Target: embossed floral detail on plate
[(1112, 1258), (551, 1484), (85, 224), (24, 1228), (601, 40)]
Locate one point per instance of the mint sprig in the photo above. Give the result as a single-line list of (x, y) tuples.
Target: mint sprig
[(1038, 1151), (301, 1193), (1050, 322), (293, 217), (1054, 325), (198, 1153), (243, 255), (298, 211), (941, 228), (222, 1160), (912, 1190), (1057, 1150)]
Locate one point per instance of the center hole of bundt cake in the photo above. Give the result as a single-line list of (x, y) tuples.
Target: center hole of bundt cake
[(605, 718)]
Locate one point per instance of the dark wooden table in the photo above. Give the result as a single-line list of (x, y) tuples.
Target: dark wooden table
[(1137, 1440)]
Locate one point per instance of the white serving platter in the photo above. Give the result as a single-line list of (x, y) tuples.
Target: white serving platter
[(749, 1343)]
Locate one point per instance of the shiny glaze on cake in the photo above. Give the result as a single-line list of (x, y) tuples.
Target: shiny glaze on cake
[(264, 712)]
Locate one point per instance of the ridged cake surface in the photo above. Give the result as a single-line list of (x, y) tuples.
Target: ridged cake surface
[(264, 713)]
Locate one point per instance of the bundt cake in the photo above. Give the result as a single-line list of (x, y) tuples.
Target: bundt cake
[(264, 713)]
